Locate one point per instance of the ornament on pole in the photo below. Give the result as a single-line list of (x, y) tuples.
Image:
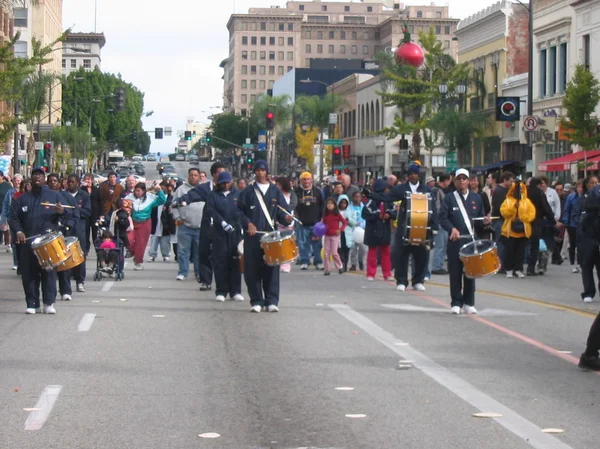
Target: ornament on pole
[(409, 52)]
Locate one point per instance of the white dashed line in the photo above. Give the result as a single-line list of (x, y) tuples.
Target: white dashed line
[(86, 322), (43, 407), (107, 286)]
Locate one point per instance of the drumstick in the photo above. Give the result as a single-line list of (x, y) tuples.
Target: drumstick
[(299, 222), (483, 218), (54, 205)]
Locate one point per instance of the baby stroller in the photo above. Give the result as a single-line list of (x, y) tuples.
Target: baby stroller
[(115, 269)]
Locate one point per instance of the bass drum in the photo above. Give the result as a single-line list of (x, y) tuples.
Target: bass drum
[(76, 256), (480, 258), (418, 219)]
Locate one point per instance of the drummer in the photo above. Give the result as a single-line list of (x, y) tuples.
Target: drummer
[(259, 276), (456, 217), (28, 218), (84, 205), (222, 207), (68, 228)]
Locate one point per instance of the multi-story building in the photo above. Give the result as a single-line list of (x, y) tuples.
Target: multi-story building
[(6, 32), (82, 50), (267, 43), (494, 42)]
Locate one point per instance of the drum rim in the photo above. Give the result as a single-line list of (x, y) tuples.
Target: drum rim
[(492, 246), (47, 238), (265, 238)]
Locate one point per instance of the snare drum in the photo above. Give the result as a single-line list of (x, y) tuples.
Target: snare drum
[(50, 250), (480, 258), (240, 250), (279, 247), (418, 217), (76, 256)]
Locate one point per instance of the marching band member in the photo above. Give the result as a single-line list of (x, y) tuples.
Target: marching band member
[(458, 211), (83, 202), (259, 203), (28, 218)]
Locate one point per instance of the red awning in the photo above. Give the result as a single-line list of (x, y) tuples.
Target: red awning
[(593, 163), (563, 163)]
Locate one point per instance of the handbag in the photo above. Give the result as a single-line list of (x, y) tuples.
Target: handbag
[(517, 226)]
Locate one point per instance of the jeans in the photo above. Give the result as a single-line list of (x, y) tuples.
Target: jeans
[(187, 244), (439, 250), (165, 245), (331, 250), (308, 243), (357, 254)]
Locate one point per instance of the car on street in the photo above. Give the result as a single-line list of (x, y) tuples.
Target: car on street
[(137, 157), (193, 159), (180, 157), (151, 158), (138, 168), (123, 171), (164, 158), (99, 179)]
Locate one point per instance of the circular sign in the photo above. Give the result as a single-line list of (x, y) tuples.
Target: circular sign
[(530, 123)]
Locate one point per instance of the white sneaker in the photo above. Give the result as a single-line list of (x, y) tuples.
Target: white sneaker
[(370, 279), (8, 249), (470, 310), (509, 274), (426, 278), (320, 267), (273, 308), (166, 259), (180, 277), (455, 310), (575, 269), (15, 267), (50, 310), (419, 287), (587, 299), (256, 309), (139, 266), (30, 311), (152, 259), (81, 287), (66, 297), (304, 266), (401, 287), (520, 274), (238, 297), (220, 298)]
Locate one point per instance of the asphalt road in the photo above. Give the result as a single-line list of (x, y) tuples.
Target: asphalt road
[(181, 168), (153, 363)]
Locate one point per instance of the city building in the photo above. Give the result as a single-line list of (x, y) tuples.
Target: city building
[(267, 43), (197, 131), (514, 137), (494, 42), (6, 31), (82, 50)]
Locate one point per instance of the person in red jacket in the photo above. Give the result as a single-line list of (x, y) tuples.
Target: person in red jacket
[(335, 223)]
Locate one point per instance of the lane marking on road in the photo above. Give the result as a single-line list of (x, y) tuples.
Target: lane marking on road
[(209, 435), (44, 405), (86, 322), (511, 421), (107, 286), (484, 312)]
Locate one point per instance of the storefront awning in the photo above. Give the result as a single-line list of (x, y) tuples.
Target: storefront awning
[(563, 163), (485, 168)]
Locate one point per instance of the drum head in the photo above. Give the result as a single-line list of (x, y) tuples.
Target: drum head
[(240, 247), (70, 240), (46, 238), (277, 236), (477, 247)]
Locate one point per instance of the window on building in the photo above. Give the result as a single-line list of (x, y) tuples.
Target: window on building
[(342, 35), (542, 71), (20, 15), (301, 7), (280, 55), (290, 55), (271, 82), (281, 27), (263, 55), (263, 26), (438, 161), (307, 63), (271, 70), (244, 84), (438, 29), (438, 14), (346, 8), (244, 98), (253, 70), (290, 27), (332, 35), (21, 50), (343, 49), (319, 49), (253, 84), (376, 49), (73, 63), (272, 26), (272, 40), (331, 49), (261, 84), (552, 71), (307, 34), (354, 35), (562, 68), (446, 45), (272, 55), (252, 26), (354, 49), (319, 35), (253, 55), (290, 41), (366, 35), (244, 40), (87, 63), (447, 29), (244, 112), (244, 69), (281, 41), (263, 40), (491, 100), (308, 48), (323, 7), (253, 40), (365, 49), (289, 68), (280, 70), (419, 14), (263, 70), (252, 98), (64, 63)]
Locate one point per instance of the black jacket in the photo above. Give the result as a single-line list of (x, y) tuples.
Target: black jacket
[(451, 216), (166, 218), (378, 232), (310, 205), (27, 215), (542, 208)]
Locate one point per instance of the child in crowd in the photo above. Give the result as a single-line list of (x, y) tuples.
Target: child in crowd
[(108, 259), (335, 223), (347, 236), (358, 251), (120, 221), (378, 233)]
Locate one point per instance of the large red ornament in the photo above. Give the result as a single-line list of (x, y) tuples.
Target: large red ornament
[(410, 53)]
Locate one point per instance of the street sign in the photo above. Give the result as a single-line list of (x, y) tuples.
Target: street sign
[(168, 130), (248, 146), (403, 156), (451, 160), (39, 146), (333, 142), (248, 140), (531, 123), (332, 118)]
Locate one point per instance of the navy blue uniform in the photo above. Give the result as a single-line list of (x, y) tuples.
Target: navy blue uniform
[(224, 257), (28, 216), (84, 206), (260, 278), (402, 250), (200, 194), (69, 229), (462, 289)]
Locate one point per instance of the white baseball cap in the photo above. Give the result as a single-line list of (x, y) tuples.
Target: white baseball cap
[(462, 171)]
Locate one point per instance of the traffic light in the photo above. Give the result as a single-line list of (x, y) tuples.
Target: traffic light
[(120, 99), (134, 134), (250, 158), (346, 152), (208, 137), (508, 109), (158, 133), (188, 135), (336, 158), (194, 133), (270, 120)]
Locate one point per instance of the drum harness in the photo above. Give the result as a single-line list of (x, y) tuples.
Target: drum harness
[(463, 211), (263, 206)]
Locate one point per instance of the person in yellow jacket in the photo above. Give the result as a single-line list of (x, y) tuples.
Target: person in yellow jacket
[(518, 213)]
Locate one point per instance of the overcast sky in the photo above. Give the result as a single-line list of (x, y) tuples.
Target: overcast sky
[(171, 50)]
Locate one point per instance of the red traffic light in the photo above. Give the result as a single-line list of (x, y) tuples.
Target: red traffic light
[(338, 172), (270, 115), (337, 151), (47, 146)]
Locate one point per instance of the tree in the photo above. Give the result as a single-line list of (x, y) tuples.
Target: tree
[(280, 106), (582, 96), (231, 127), (305, 145), (415, 92)]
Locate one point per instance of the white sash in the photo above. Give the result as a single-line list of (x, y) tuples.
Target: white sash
[(263, 206), (463, 211)]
